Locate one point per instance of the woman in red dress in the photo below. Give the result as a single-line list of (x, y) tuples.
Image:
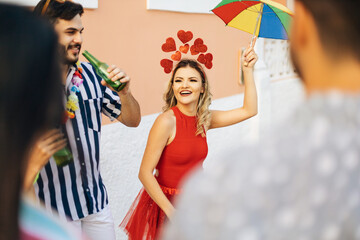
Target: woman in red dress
[(177, 142)]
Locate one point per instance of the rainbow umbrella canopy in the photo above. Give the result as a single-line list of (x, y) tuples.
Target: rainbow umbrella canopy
[(262, 18)]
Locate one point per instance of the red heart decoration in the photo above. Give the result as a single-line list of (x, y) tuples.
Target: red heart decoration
[(184, 48), (209, 57), (206, 60), (193, 50), (208, 65), (185, 36), (199, 45), (176, 56), (167, 65), (169, 45), (201, 59), (198, 41)]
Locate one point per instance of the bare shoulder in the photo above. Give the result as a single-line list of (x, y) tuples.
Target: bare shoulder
[(166, 120)]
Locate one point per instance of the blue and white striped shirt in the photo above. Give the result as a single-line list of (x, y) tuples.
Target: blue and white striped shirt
[(77, 190)]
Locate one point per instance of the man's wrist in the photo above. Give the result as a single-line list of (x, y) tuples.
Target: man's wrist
[(124, 92)]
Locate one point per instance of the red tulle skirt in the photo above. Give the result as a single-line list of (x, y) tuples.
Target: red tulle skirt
[(145, 219)]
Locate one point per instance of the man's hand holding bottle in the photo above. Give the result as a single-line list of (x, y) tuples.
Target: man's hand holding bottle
[(116, 74), (112, 77)]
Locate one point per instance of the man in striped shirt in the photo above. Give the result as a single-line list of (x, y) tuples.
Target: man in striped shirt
[(76, 190)]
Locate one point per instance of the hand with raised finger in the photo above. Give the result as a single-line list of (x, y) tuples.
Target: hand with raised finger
[(250, 57), (116, 74)]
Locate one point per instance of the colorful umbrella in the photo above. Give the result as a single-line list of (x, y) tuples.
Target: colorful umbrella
[(262, 18)]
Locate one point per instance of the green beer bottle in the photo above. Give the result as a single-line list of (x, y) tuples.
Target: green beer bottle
[(101, 70), (63, 157)]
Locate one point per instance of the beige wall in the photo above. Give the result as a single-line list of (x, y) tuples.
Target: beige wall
[(124, 33)]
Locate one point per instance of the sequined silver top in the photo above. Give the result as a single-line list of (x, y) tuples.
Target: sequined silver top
[(302, 183)]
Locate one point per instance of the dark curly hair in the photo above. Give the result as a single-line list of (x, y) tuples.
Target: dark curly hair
[(59, 10)]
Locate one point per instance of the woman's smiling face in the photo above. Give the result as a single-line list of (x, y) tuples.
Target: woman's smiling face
[(187, 86)]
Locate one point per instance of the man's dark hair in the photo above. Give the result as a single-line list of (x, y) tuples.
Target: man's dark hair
[(59, 10), (338, 24)]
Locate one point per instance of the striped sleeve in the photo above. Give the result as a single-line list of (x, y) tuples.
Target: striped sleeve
[(111, 106)]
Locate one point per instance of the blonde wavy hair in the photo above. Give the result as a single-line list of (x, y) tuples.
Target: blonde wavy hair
[(203, 114)]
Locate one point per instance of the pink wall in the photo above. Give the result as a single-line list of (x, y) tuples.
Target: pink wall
[(126, 34)]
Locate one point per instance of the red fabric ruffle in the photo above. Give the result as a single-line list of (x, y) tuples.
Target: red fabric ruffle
[(145, 219)]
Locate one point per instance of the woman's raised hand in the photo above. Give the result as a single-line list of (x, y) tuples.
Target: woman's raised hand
[(249, 57)]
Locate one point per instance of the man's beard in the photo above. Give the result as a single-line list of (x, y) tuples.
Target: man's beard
[(295, 62), (64, 56)]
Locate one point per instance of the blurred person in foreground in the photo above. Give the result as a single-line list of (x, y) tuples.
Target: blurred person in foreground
[(76, 191), (30, 104), (303, 182)]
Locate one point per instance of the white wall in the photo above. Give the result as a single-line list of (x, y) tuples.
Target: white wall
[(32, 3), (122, 148), (189, 6), (290, 4)]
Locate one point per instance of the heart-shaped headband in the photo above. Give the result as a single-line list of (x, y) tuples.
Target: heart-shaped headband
[(197, 48)]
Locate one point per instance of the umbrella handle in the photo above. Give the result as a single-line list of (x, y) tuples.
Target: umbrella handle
[(252, 40), (257, 23)]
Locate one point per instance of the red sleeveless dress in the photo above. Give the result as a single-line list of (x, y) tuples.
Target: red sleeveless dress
[(145, 218)]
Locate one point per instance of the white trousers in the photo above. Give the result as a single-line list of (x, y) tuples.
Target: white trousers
[(98, 226)]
